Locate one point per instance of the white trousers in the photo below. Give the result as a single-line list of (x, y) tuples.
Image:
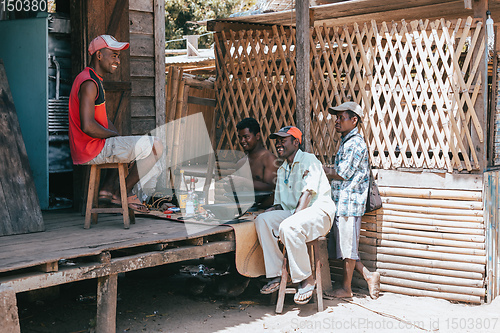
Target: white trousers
[(294, 231)]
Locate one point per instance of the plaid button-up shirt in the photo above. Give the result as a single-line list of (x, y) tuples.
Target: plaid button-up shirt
[(351, 163)]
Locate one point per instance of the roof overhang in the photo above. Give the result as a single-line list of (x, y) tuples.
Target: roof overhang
[(347, 12)]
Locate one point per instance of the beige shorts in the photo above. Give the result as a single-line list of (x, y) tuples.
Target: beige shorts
[(124, 149), (347, 230)]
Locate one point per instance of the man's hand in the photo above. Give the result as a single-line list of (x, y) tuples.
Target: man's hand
[(304, 201), (275, 207), (331, 173)]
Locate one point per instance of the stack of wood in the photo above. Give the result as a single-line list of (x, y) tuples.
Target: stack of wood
[(187, 95), (428, 242)]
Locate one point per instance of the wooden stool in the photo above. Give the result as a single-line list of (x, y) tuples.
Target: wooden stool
[(93, 193), (316, 264)]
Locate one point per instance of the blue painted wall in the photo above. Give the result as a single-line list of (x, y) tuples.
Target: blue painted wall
[(24, 48)]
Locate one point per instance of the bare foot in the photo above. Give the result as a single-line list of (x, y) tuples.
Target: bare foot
[(374, 285), (339, 293)]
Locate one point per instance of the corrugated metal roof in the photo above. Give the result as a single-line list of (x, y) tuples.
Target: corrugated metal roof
[(205, 55)]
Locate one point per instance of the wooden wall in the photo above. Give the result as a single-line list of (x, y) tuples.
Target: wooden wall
[(147, 64)]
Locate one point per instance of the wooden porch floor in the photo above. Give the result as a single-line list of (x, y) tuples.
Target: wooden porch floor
[(66, 252)]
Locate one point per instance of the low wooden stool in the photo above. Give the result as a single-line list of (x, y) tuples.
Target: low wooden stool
[(93, 194), (316, 264)]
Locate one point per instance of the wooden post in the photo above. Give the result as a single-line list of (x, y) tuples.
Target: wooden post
[(302, 76), (9, 319), (159, 28), (468, 4), (480, 144), (326, 279), (106, 303)]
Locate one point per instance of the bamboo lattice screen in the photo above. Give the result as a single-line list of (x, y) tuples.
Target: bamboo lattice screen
[(255, 78), (418, 83)]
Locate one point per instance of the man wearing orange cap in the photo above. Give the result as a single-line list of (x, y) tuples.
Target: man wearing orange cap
[(93, 138), (303, 211)]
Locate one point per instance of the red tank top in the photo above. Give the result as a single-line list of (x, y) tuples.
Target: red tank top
[(83, 147)]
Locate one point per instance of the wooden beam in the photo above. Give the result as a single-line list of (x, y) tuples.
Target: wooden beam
[(49, 267), (302, 59), (107, 291), (9, 319), (159, 37), (32, 281), (116, 16), (202, 101), (481, 107), (217, 25)]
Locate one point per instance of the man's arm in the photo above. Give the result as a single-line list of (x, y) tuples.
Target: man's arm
[(87, 96), (331, 173), (304, 201)]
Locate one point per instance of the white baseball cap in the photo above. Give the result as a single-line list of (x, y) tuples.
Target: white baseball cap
[(348, 106), (106, 41)]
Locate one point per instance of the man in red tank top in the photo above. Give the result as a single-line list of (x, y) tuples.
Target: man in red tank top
[(93, 138)]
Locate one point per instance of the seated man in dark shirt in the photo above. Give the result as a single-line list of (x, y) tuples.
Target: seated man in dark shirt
[(263, 164)]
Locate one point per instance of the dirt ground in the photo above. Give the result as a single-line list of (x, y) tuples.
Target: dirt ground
[(162, 300)]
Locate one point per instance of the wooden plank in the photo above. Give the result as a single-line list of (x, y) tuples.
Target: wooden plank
[(9, 318), (142, 45), (481, 105), (142, 107), (49, 267), (431, 278), (159, 58), (430, 180), (32, 281), (141, 22), (430, 193), (434, 271), (143, 125), (16, 180), (465, 205), (66, 239), (144, 87), (452, 257), (116, 16), (142, 67), (459, 266), (430, 293), (202, 101), (303, 55), (141, 5)]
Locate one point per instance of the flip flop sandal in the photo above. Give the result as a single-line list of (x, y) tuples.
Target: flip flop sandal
[(302, 291), (271, 287)]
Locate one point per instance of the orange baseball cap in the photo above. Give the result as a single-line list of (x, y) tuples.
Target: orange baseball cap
[(106, 41), (288, 131)]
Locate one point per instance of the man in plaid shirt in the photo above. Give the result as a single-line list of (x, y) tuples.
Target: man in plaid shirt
[(350, 177)]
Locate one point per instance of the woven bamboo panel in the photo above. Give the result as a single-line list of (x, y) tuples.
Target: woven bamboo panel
[(425, 242), (255, 78), (418, 83)]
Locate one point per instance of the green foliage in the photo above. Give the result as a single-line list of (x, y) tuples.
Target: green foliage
[(181, 15)]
